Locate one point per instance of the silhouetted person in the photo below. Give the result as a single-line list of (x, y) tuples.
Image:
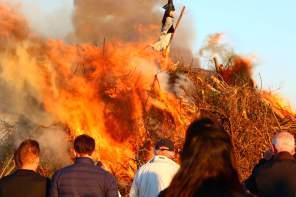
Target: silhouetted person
[(276, 176), (83, 178), (167, 28), (156, 174), (207, 164), (25, 181)]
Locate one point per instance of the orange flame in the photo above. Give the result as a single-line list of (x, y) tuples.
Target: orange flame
[(280, 104), (101, 91)]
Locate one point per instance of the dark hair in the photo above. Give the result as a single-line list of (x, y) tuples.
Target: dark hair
[(165, 143), (84, 144), (27, 152), (206, 161)]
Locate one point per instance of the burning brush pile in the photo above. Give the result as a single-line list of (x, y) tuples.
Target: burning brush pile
[(121, 95)]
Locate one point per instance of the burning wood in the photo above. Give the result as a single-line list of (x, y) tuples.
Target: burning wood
[(122, 100)]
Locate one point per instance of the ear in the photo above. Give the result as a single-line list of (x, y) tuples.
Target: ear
[(76, 154), (172, 154), (73, 154), (156, 152), (37, 161)]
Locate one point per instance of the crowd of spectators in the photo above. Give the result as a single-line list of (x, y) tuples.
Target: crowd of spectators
[(206, 168)]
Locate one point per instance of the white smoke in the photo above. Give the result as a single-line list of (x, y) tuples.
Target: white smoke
[(49, 18)]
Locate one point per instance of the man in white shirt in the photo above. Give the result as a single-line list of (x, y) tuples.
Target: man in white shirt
[(156, 175)]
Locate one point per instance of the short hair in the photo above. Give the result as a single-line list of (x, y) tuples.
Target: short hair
[(284, 142), (27, 152), (84, 144), (165, 143)]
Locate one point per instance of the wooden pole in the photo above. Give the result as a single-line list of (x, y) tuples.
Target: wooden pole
[(104, 46), (217, 67), (180, 17)]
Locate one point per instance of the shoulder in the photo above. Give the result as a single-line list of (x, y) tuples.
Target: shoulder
[(109, 179), (263, 163), (174, 164), (39, 177), (6, 179), (34, 176), (158, 167), (145, 167), (105, 173), (222, 190), (85, 169), (277, 163), (62, 171), (142, 170), (162, 193)]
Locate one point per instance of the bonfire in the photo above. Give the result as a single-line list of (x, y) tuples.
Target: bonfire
[(120, 94)]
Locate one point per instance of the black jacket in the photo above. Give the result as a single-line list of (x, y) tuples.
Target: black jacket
[(214, 188), (24, 183), (275, 177), (84, 179)]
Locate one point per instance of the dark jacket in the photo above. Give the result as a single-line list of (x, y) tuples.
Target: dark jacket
[(275, 177), (214, 188), (83, 179), (24, 183)]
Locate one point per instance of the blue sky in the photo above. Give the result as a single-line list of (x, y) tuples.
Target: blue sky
[(261, 27)]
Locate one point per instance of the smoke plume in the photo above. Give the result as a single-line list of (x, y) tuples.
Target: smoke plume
[(100, 91), (55, 23), (125, 20), (130, 20), (22, 110)]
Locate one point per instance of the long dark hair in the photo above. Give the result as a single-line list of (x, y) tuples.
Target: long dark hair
[(206, 158)]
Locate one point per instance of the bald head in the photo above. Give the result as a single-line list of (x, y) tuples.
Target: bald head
[(284, 142)]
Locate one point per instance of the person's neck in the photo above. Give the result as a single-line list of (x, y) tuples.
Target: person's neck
[(285, 152), (29, 167), (84, 156), (163, 155)]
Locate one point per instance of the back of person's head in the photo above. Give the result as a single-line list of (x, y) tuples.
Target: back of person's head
[(165, 147), (27, 153), (207, 157), (284, 142), (84, 145)]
